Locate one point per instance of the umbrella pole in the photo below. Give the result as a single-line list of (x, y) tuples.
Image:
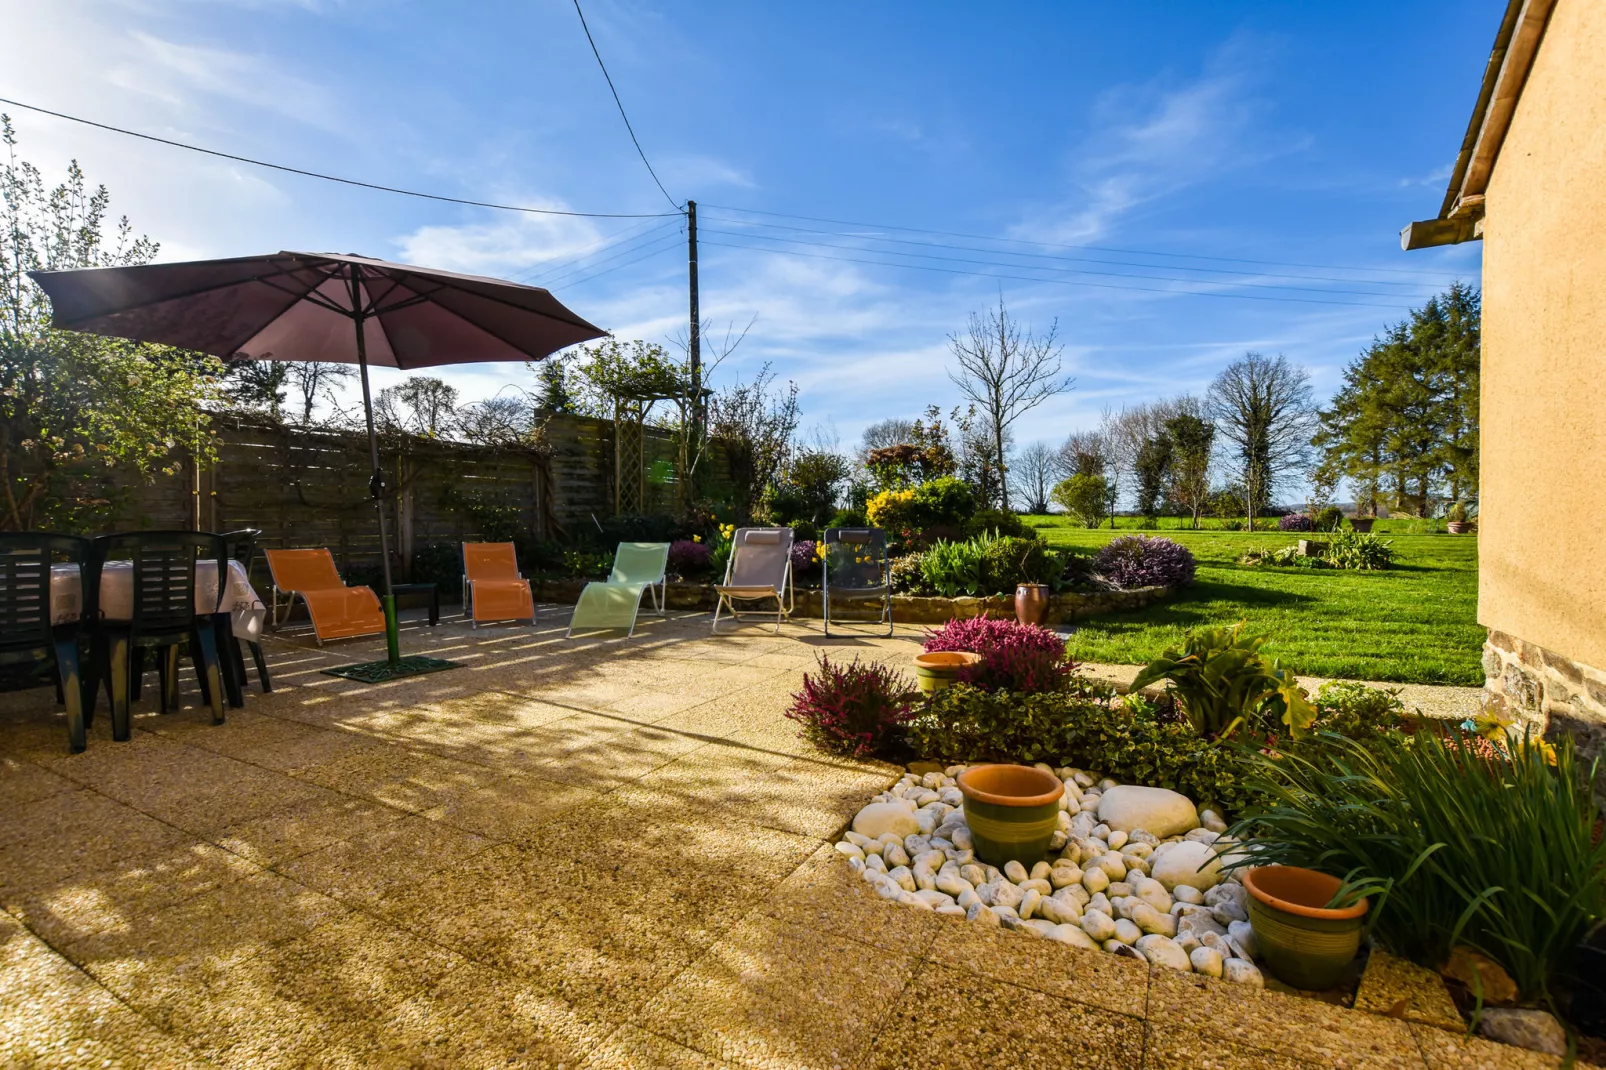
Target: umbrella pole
[(376, 486)]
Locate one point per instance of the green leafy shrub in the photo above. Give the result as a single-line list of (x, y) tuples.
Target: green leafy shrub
[(1485, 846), (1081, 726), (1352, 549), (998, 522), (1327, 518), (944, 501), (1457, 513), (1355, 710), (848, 518), (1086, 498), (587, 564), (1011, 560), (954, 568), (1222, 683)]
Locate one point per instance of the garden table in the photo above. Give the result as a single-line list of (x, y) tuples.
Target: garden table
[(245, 608)]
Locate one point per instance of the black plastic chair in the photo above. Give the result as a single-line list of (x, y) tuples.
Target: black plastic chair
[(27, 634), (856, 569), (241, 546), (162, 617)]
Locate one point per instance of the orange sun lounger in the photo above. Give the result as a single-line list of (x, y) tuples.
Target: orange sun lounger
[(337, 611), (492, 586)]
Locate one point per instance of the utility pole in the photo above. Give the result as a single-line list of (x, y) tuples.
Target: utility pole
[(695, 347)]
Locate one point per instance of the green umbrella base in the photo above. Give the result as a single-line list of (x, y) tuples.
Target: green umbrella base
[(378, 672)]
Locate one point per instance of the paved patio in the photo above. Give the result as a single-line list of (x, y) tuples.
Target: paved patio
[(566, 854)]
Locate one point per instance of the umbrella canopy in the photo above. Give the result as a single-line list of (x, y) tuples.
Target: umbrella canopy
[(301, 306), (320, 307)]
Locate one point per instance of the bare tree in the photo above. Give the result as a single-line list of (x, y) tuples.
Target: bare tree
[(421, 404), (503, 420), (1264, 409), (1036, 469), (754, 422), (1086, 453), (1005, 372), (315, 379)]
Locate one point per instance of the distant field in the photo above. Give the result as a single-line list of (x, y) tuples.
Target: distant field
[(1415, 623)]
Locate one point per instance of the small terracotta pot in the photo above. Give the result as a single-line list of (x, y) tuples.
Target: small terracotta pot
[(1012, 811), (1361, 524), (1302, 942), (1031, 603), (936, 671), (1458, 527)]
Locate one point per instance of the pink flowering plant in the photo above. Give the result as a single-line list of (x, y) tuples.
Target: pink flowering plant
[(1025, 658), (856, 710)]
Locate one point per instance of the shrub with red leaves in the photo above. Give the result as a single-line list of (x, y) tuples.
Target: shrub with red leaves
[(687, 558), (1014, 656), (1296, 522), (854, 710), (1130, 561)]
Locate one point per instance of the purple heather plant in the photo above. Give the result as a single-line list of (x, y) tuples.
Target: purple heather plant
[(1145, 561), (805, 569), (1014, 657), (688, 558), (1296, 522), (855, 710)]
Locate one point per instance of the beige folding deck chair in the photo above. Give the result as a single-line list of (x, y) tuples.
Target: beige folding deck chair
[(613, 604), (760, 568)]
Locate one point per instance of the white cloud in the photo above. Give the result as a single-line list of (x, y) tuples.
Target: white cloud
[(694, 172)]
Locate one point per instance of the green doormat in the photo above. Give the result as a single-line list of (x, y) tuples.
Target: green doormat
[(378, 672)]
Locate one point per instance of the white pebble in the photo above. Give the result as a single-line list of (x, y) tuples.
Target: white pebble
[(1072, 935), (1185, 893), (1206, 960), (902, 877), (1095, 880), (1126, 932), (1243, 973), (852, 850), (968, 898), (1016, 872), (1028, 902), (1060, 876), (1163, 951), (1098, 925), (981, 913), (1117, 839), (1243, 934)]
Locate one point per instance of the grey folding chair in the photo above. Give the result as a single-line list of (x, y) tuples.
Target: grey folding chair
[(760, 568), (857, 570)]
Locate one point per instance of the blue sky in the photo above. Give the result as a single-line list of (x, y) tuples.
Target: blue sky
[(1281, 133)]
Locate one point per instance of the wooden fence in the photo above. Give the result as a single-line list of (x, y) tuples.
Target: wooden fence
[(309, 487)]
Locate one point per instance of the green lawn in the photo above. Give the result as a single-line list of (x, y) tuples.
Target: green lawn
[(1415, 623)]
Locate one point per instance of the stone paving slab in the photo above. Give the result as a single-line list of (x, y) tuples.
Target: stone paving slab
[(601, 853)]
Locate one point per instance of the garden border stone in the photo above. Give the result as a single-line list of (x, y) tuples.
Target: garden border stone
[(1064, 608)]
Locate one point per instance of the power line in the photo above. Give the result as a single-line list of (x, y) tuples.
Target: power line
[(665, 244), (1052, 267), (621, 105), (535, 274), (1090, 248), (332, 178), (1060, 282), (1049, 256), (636, 244)]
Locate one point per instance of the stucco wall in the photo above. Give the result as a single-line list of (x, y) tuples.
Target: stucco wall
[(1542, 517)]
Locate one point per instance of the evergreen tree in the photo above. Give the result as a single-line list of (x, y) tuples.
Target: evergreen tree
[(1405, 424), (552, 393)]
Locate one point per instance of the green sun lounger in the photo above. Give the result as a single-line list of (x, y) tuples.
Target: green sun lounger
[(612, 604)]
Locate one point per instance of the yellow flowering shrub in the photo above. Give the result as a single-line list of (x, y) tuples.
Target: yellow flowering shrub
[(892, 510)]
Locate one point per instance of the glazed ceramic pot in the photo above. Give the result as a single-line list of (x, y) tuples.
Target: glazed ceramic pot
[(1458, 527), (1012, 811), (1361, 524), (1031, 603), (1302, 942), (938, 670)]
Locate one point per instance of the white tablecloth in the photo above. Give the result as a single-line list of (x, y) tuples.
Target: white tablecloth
[(246, 610)]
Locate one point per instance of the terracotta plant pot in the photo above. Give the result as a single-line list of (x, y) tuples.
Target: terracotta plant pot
[(1012, 811), (1031, 603), (1361, 524), (939, 670), (1302, 942), (1458, 527)]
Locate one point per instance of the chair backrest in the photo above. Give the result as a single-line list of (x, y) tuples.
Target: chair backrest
[(855, 557), (303, 570), (163, 574), (490, 561), (760, 557), (640, 562), (25, 560), (241, 546)]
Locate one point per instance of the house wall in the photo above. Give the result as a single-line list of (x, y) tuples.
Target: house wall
[(1542, 509)]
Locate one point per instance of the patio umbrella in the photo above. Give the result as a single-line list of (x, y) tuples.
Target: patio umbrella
[(320, 307)]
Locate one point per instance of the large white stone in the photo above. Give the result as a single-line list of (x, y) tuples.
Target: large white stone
[(1098, 925), (1193, 864), (1206, 960), (1241, 972), (1072, 935), (877, 819), (1157, 810), (1163, 951)]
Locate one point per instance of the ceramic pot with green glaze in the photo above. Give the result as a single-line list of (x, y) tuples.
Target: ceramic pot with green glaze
[(1302, 941), (940, 669), (1012, 811)]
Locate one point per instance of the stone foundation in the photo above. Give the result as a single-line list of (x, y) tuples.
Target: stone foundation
[(1556, 694)]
